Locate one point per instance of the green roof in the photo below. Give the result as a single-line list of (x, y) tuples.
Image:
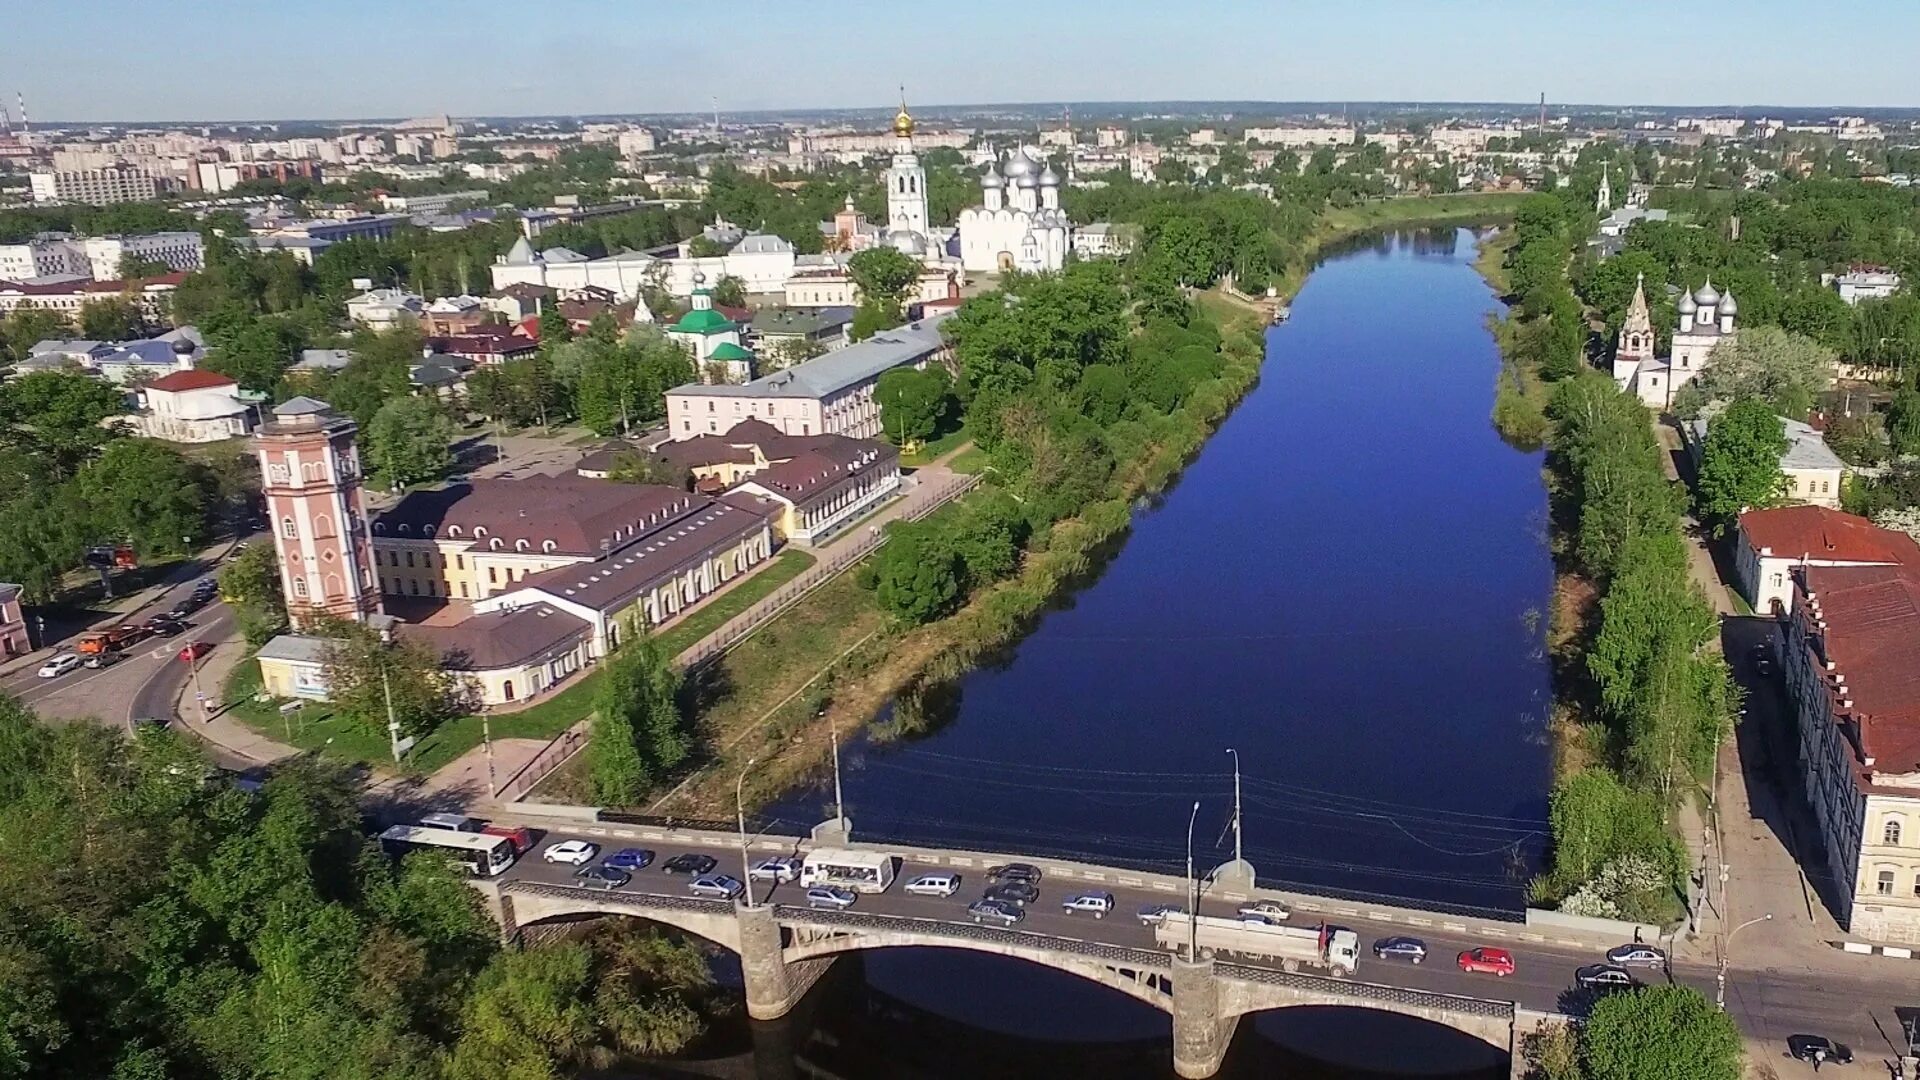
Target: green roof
[(702, 321), (727, 350)]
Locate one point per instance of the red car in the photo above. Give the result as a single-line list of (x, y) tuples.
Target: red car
[(1487, 962), (194, 650)]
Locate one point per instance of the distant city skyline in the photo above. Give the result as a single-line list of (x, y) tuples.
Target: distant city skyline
[(232, 60)]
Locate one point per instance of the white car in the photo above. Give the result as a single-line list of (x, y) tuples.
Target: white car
[(1270, 912), (1096, 904), (933, 885), (717, 886), (781, 870), (59, 666), (571, 852)]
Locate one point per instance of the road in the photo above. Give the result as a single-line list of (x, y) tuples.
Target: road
[(1769, 1005)]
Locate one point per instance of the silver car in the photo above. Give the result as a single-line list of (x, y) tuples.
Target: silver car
[(716, 886), (831, 898), (933, 885)]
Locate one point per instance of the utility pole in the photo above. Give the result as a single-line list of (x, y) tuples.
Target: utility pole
[(486, 738), (740, 809), (839, 802), (1193, 892), (1236, 804), (193, 665), (1720, 981), (393, 726), (1543, 112)]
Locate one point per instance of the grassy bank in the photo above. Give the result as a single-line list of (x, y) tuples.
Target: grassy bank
[(1410, 212)]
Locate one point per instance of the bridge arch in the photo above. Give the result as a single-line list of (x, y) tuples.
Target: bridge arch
[(1246, 991), (710, 920)]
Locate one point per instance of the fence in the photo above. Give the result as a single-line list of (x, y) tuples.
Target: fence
[(918, 503)]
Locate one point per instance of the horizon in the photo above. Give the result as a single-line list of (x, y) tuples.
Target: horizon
[(574, 58)]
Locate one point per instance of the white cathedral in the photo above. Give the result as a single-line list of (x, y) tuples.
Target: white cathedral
[(1705, 320), (1020, 225)]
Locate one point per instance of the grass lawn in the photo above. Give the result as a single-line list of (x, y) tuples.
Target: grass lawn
[(1491, 262), (1464, 206), (972, 460), (935, 447), (790, 564)]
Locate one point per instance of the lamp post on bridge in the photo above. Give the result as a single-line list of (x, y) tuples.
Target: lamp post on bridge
[(1237, 874), (740, 810), (1720, 990), (1193, 892)]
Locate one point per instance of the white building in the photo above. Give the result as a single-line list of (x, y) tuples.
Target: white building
[(194, 407), (47, 255), (714, 342), (97, 257), (108, 184), (384, 309), (1019, 224), (1705, 320), (635, 142), (1864, 282), (1298, 137), (1108, 138), (1772, 542)]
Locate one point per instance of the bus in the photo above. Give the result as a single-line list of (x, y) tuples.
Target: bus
[(482, 855), (861, 871)]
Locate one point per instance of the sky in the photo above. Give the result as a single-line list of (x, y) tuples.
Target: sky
[(326, 59)]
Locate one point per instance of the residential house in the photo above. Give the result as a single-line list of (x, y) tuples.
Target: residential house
[(1770, 543), (1813, 472), (522, 300), (384, 309), (1863, 282), (14, 640), (826, 328), (195, 407), (488, 345), (452, 315)]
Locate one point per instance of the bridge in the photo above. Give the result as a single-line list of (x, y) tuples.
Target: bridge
[(785, 947)]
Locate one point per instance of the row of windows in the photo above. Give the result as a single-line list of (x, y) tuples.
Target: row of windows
[(1883, 885), (426, 559), (1793, 486)]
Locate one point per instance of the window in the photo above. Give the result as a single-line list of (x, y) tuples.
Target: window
[(1884, 886), (1826, 486), (459, 562), (300, 587), (506, 689), (413, 586), (409, 558), (1890, 834), (463, 590), (493, 576), (287, 528)]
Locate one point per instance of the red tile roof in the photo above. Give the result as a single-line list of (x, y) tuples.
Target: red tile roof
[(1815, 533), (1872, 634), (195, 379)]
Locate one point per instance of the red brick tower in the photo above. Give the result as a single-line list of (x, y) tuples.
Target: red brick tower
[(310, 474)]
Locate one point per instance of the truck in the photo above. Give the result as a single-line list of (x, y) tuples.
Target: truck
[(1333, 949)]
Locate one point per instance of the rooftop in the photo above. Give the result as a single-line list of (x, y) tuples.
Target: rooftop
[(579, 517), (499, 639), (196, 379), (827, 375), (1872, 638), (1816, 532)]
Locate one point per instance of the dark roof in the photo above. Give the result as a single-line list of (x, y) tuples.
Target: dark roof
[(606, 584), (781, 321), (194, 379), (526, 291), (812, 471), (578, 515), (1872, 638), (499, 639)]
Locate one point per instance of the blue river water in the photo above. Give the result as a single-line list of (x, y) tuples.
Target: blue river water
[(1348, 586)]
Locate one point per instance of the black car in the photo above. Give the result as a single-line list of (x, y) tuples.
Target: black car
[(164, 626), (692, 863), (1013, 892), (180, 613), (1411, 949), (1819, 1048), (1605, 978), (1023, 872)]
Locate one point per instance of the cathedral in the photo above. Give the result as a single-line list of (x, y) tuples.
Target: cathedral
[(1705, 319), (1019, 225)]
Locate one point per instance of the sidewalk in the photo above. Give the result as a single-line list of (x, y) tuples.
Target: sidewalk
[(120, 607), (221, 729)]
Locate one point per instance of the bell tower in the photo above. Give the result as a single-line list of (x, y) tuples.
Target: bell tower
[(1636, 334), (310, 475), (906, 180)]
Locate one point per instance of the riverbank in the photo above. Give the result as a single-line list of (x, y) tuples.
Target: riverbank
[(1411, 212)]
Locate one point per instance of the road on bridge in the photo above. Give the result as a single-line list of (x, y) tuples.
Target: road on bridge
[(1769, 1005)]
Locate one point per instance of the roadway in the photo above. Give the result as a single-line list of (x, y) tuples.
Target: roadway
[(1769, 1005)]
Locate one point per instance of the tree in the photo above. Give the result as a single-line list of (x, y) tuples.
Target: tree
[(145, 493), (250, 584), (59, 414), (1787, 371), (114, 319), (256, 353), (410, 442), (134, 267), (916, 574), (787, 352), (638, 468), (1660, 1033), (26, 327), (912, 403), (1903, 422), (639, 734), (366, 675), (730, 291), (555, 330), (1740, 462)]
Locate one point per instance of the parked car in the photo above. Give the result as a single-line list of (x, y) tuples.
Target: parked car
[(1637, 955), (692, 863), (1096, 904), (1410, 949), (603, 877), (194, 650), (1819, 1048), (995, 911), (1485, 961), (165, 626), (1155, 914), (933, 885), (830, 897), (1025, 872), (102, 659), (1270, 911), (1013, 892), (1604, 977), (781, 869), (58, 666), (716, 886), (630, 858), (571, 852)]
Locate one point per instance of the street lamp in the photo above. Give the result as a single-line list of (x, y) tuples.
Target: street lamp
[(1236, 808), (1720, 992), (1193, 892), (740, 809)]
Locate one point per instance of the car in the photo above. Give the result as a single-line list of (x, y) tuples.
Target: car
[(829, 896), (194, 650), (995, 911), (58, 666), (1155, 914), (149, 722), (1605, 978), (1013, 892), (1819, 1048), (1023, 872), (1096, 904), (629, 858), (164, 626), (1271, 912), (571, 852), (1410, 949), (603, 877), (933, 885), (101, 660), (691, 862), (1637, 955), (717, 886), (1485, 961), (181, 612), (780, 869)]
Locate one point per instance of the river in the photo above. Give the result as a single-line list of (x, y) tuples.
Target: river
[(1348, 587)]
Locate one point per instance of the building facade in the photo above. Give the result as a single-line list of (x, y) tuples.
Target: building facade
[(107, 184), (1705, 319), (311, 480), (1770, 543), (193, 406), (14, 640), (1019, 224)]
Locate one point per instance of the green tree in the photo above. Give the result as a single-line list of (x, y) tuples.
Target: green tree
[(115, 319), (1784, 369), (1740, 462), (555, 330), (256, 353), (639, 734), (143, 492), (26, 327), (59, 414), (135, 267), (913, 402), (639, 468), (1660, 1033), (790, 351), (916, 575), (250, 584), (410, 442), (366, 676), (730, 291), (1903, 422)]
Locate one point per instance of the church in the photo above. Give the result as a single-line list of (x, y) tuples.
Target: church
[(1705, 319), (1019, 224)]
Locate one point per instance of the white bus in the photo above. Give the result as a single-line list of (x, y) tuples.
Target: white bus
[(483, 855), (861, 871)]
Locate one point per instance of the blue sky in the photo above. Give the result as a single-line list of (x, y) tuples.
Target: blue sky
[(268, 59)]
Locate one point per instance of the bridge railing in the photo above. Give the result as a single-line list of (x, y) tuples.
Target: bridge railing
[(1123, 955), (617, 898), (1365, 991)]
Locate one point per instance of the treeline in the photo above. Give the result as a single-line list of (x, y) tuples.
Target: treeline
[(1544, 336), (22, 224), (157, 921)]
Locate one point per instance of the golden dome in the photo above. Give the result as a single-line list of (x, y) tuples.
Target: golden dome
[(903, 122)]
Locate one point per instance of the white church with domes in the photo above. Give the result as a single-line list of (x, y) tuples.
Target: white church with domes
[(1019, 224), (1705, 320)]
